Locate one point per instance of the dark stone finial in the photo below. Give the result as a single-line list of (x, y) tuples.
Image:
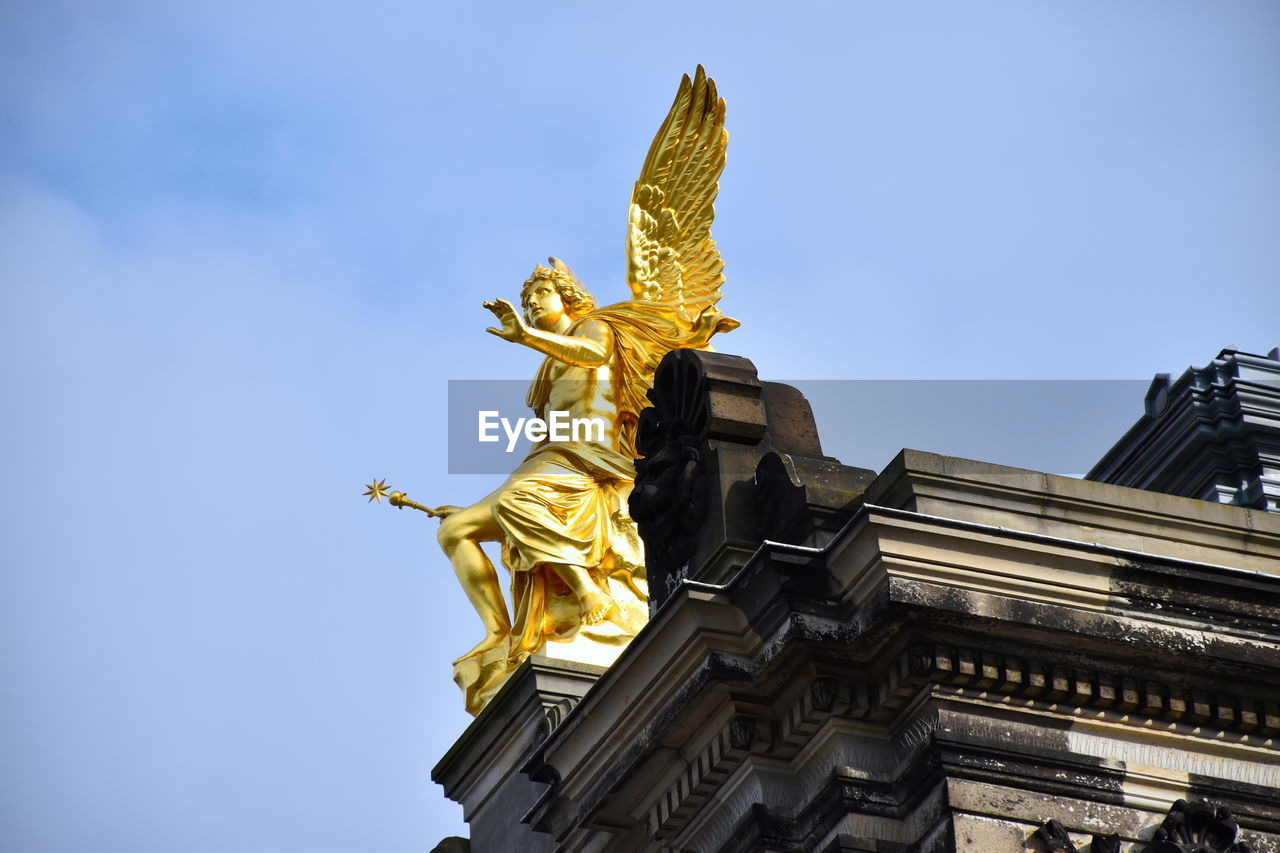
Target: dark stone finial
[(1105, 844), (727, 461), (695, 501), (1054, 837), (1197, 828), (669, 500)]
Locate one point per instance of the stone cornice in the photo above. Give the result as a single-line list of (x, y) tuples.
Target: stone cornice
[(1109, 515), (493, 746), (883, 686), (905, 607)]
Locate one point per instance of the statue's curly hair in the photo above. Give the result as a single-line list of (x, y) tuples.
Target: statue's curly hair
[(577, 300)]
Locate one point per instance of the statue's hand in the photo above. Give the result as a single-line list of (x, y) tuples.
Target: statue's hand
[(443, 511), (513, 328)]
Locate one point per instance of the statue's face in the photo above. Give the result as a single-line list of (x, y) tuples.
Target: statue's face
[(542, 305)]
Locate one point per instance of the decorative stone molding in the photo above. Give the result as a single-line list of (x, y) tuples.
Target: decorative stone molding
[(939, 663), (1197, 828), (705, 772), (917, 666), (816, 703), (1093, 688), (554, 716), (742, 732), (880, 696), (824, 692)]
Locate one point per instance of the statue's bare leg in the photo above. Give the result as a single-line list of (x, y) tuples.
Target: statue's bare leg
[(460, 535), (595, 604), (630, 581)]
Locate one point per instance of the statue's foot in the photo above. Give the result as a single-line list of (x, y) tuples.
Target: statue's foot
[(595, 607), (492, 641)]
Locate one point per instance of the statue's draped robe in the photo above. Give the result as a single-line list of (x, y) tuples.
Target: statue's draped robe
[(567, 504)]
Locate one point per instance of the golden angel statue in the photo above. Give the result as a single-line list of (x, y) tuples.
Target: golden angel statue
[(576, 563)]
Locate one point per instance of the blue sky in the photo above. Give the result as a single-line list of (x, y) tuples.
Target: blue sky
[(242, 251)]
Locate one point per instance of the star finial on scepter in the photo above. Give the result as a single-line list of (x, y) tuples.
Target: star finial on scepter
[(377, 490)]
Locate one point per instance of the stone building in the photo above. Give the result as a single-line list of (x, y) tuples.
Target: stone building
[(946, 655)]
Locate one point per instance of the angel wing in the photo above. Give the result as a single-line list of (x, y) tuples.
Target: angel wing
[(671, 257), (673, 268)]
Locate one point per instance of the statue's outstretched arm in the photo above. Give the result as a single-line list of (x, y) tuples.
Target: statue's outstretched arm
[(589, 347)]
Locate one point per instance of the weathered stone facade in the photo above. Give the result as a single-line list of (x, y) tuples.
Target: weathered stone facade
[(947, 656)]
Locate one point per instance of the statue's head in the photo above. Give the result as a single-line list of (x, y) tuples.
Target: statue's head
[(549, 293)]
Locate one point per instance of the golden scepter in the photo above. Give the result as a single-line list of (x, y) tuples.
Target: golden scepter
[(377, 490)]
